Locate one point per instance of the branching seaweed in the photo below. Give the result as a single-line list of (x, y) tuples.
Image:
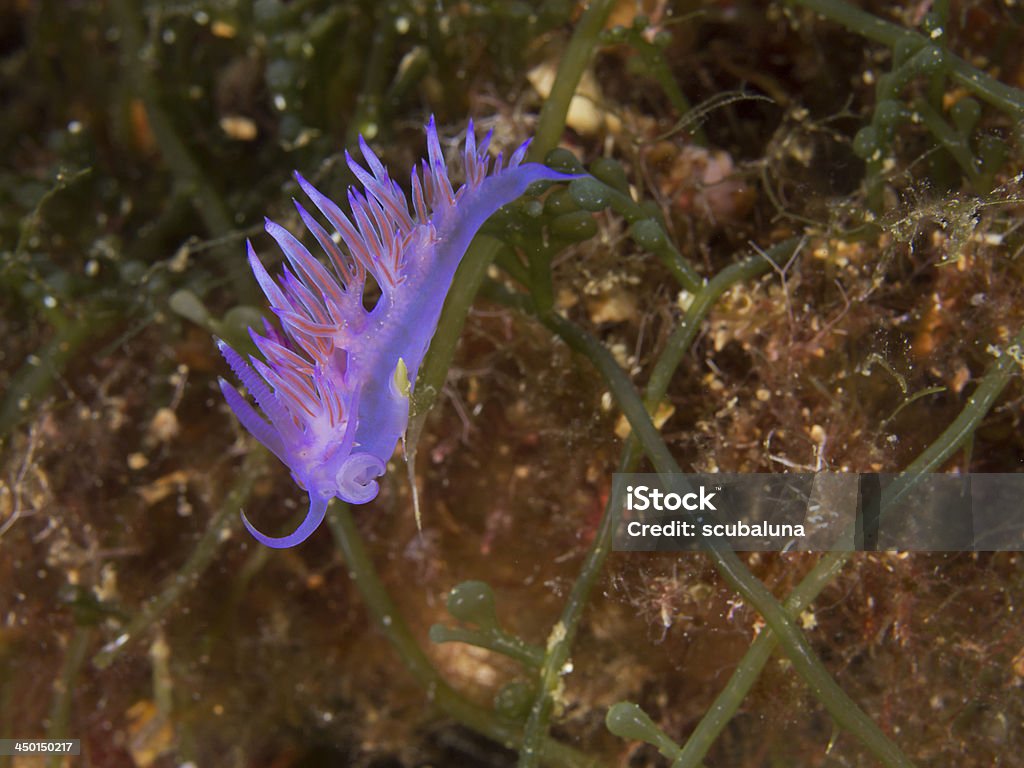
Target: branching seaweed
[(925, 56), (323, 72)]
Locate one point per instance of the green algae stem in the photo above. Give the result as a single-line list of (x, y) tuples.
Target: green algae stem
[(189, 175), (370, 107), (629, 722), (842, 708), (955, 436), (36, 377), (465, 285), (483, 251), (202, 556), (665, 367), (806, 663), (493, 640), (64, 689), (390, 623), (649, 233), (1004, 97), (577, 57)]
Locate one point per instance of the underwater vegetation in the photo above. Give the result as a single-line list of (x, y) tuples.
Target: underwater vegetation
[(768, 237)]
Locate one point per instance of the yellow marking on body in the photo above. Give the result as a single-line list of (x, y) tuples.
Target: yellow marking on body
[(402, 385)]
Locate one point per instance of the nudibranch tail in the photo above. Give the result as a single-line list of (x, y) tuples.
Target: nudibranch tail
[(315, 516), (334, 383)]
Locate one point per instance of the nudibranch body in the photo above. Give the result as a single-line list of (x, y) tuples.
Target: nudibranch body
[(334, 384)]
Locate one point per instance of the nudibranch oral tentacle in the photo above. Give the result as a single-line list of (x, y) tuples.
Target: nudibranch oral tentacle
[(334, 384)]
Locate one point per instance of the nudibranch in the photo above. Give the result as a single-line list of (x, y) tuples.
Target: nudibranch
[(334, 383)]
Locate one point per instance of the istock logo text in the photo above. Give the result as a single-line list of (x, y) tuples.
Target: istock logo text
[(641, 498)]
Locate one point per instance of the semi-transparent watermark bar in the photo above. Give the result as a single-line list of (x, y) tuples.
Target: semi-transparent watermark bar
[(824, 511)]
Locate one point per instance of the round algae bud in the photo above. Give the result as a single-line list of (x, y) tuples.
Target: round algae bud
[(648, 234), (574, 226), (560, 202), (611, 173), (889, 112), (473, 602), (627, 721), (563, 160), (865, 143), (514, 699), (533, 208), (589, 194)]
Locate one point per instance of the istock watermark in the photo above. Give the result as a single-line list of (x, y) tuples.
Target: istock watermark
[(642, 498), (824, 511)]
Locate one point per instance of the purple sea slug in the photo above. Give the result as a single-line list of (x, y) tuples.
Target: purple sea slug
[(334, 383)]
